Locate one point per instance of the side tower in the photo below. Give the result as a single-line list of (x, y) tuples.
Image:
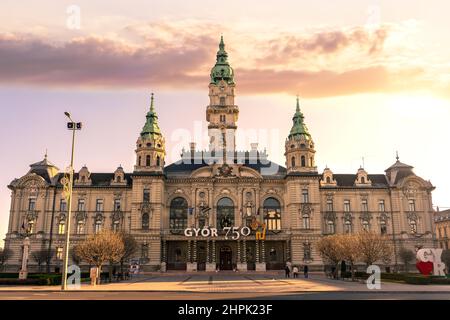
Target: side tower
[(302, 192), (148, 192), (222, 113), (150, 146), (299, 146)]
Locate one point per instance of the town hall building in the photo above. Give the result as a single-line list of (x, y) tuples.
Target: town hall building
[(220, 208)]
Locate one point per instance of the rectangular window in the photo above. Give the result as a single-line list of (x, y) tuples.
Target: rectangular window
[(63, 205), (59, 253), (347, 205), (117, 205), (412, 205), (364, 206), (99, 205), (381, 206), (81, 205), (305, 196), (330, 206), (62, 227), (31, 204), (146, 196)]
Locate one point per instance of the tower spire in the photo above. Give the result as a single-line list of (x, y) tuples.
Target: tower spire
[(222, 69), (151, 126), (299, 127), (152, 106)]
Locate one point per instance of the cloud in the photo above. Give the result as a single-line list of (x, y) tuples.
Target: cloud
[(326, 43), (96, 61), (162, 60)]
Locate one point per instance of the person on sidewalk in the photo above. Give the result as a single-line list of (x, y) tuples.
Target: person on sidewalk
[(288, 272), (305, 271), (295, 272)]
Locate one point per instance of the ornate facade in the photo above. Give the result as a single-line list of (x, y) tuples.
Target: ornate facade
[(279, 212)]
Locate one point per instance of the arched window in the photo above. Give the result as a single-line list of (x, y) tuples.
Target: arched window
[(80, 227), (363, 180), (328, 180), (158, 161), (222, 101), (293, 162), (147, 161), (272, 214), (413, 226), (306, 221), (303, 161), (140, 161), (62, 227), (348, 226), (225, 213), (145, 220), (178, 214), (330, 227), (383, 227), (98, 226), (311, 161), (366, 225)]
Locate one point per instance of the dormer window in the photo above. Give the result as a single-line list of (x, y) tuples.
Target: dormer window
[(149, 145), (303, 146), (328, 180), (363, 180)]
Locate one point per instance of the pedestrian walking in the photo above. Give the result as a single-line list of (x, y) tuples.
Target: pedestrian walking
[(288, 272), (305, 271), (295, 272)]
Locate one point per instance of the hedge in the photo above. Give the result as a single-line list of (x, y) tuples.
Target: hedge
[(24, 282)]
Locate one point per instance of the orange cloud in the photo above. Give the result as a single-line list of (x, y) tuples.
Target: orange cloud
[(104, 63)]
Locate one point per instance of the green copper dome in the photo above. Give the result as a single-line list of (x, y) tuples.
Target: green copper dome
[(299, 127), (222, 69), (151, 125)]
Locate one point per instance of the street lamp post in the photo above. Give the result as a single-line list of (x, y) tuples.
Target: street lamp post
[(73, 126)]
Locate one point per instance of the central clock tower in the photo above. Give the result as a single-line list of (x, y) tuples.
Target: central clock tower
[(222, 114)]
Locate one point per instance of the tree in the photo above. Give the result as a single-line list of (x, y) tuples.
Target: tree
[(406, 256), (445, 258), (130, 248), (349, 248), (331, 251), (100, 248), (42, 256), (75, 258), (373, 247), (5, 254)]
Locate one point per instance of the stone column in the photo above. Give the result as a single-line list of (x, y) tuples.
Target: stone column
[(260, 264), (241, 266), (164, 256), (210, 266), (23, 274), (191, 265)]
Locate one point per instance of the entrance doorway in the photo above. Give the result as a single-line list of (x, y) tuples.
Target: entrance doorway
[(201, 257), (226, 258)]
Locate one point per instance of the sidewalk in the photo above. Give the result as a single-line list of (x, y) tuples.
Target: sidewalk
[(233, 283)]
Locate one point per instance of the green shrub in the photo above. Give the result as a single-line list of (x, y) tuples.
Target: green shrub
[(25, 282), (9, 275), (418, 279)]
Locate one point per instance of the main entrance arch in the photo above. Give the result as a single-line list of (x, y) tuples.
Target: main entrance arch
[(225, 258)]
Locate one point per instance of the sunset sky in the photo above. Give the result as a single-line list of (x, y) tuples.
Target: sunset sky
[(373, 77)]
